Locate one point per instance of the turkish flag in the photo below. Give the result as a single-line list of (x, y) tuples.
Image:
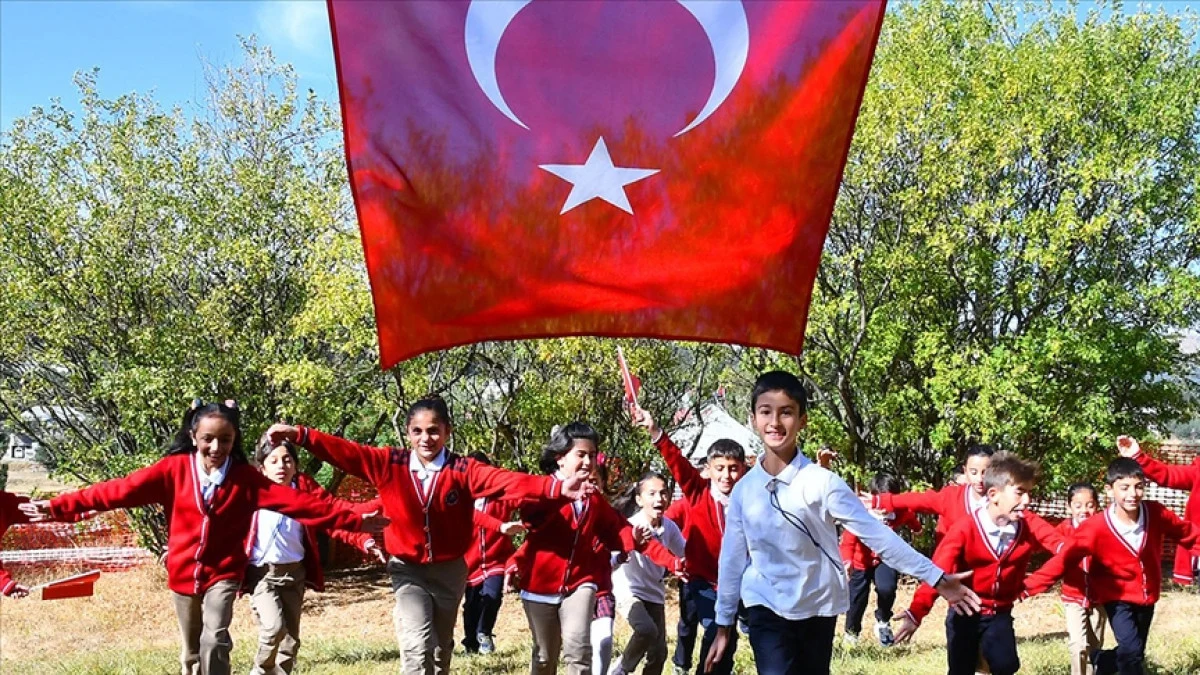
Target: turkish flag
[(657, 169)]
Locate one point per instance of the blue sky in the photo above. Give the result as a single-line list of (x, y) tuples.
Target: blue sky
[(144, 45)]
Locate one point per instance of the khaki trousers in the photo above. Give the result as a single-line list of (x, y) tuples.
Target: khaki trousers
[(649, 623), (427, 601), (276, 600), (204, 625), (1085, 632), (564, 628)]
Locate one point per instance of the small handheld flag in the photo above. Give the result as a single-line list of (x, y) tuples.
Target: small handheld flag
[(632, 384), (78, 586)]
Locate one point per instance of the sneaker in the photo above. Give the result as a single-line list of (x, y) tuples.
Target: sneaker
[(617, 670), (679, 670), (850, 638), (883, 633), (486, 645)]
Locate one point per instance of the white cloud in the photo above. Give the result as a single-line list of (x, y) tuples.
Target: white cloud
[(300, 26)]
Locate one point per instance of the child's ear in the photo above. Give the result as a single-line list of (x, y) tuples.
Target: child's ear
[(803, 421)]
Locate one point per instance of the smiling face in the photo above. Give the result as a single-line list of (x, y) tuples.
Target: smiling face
[(777, 420), (580, 456), (653, 499), (427, 434), (279, 466), (1127, 494), (724, 472), (1082, 505), (214, 437), (976, 467)]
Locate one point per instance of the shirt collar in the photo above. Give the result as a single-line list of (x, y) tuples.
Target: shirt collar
[(1124, 528), (789, 472), (216, 477), (991, 527), (414, 462), (718, 496)]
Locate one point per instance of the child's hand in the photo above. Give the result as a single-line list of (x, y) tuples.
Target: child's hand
[(379, 554), (18, 591), (717, 651), (578, 486), (374, 522), (36, 511), (642, 534), (510, 582), (825, 457), (1127, 446), (512, 529), (961, 598), (906, 629), (278, 433), (644, 420), (680, 570)]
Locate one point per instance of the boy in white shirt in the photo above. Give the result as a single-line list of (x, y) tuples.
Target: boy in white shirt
[(779, 554)]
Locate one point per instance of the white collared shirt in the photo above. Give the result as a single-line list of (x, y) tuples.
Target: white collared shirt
[(1132, 534), (278, 540), (210, 481), (639, 578), (975, 501), (426, 472), (768, 561), (999, 537)]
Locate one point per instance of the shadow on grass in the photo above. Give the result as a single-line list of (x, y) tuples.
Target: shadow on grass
[(350, 586)]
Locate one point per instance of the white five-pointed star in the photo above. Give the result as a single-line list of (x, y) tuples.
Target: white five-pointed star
[(597, 178)]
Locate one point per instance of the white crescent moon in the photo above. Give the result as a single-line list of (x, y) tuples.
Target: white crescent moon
[(723, 21)]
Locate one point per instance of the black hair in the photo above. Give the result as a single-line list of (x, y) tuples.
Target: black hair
[(433, 403), (959, 469), (480, 456), (980, 450), (1076, 488), (780, 380), (1008, 469), (726, 448), (227, 410), (626, 503), (884, 482), (561, 442), (1123, 467), (265, 448)]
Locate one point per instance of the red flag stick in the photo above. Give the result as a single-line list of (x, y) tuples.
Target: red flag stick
[(627, 378)]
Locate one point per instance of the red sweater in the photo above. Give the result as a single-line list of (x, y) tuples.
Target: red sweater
[(490, 550), (1075, 578), (951, 504), (860, 556), (705, 524), (677, 513), (439, 527), (314, 576), (1178, 477), (205, 542), (998, 578), (1118, 572), (9, 515), (563, 551)]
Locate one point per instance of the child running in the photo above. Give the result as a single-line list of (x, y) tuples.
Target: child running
[(210, 494), (779, 552), (638, 583), (1125, 572), (486, 559), (707, 495), (1085, 619), (996, 543), (285, 560), (1175, 477), (430, 494), (952, 503)]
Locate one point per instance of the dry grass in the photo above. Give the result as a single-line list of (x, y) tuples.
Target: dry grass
[(129, 627)]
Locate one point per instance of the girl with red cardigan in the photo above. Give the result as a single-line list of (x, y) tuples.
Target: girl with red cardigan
[(428, 493), (210, 495)]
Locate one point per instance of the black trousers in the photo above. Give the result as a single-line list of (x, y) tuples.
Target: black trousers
[(481, 604), (992, 634), (885, 580), (790, 647), (685, 630), (1131, 626)]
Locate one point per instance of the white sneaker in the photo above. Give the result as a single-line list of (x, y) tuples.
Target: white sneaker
[(883, 633), (850, 638), (617, 670)]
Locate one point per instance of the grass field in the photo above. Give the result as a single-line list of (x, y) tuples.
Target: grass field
[(129, 627)]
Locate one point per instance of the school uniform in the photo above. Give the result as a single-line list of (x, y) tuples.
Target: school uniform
[(866, 568), (284, 561), (779, 557), (10, 514), (950, 504), (1086, 620), (208, 517), (1179, 477), (485, 559), (431, 508), (1124, 575), (999, 557), (703, 531), (642, 597)]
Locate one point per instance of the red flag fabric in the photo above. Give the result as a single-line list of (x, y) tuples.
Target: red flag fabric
[(77, 586), (658, 169)]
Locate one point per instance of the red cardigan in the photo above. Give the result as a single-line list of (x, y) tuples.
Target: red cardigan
[(1118, 572), (951, 504), (314, 576), (9, 515), (705, 524), (860, 556), (438, 528), (563, 551), (1178, 477), (998, 578), (205, 542), (490, 550), (1075, 578)]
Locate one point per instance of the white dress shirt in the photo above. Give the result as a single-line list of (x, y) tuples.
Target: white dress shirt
[(1132, 534), (278, 540), (999, 537), (639, 578), (768, 561), (426, 472), (210, 481)]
